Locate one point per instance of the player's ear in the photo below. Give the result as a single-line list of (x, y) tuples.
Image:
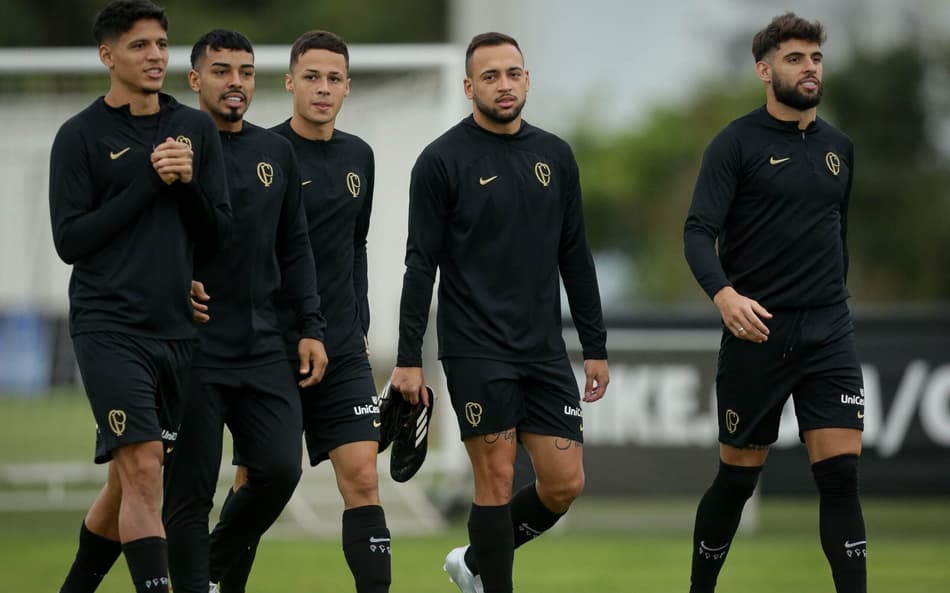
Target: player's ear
[(763, 70), (469, 90), (105, 56), (194, 80), (527, 81), (289, 83)]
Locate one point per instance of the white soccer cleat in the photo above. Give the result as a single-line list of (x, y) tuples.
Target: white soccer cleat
[(459, 572), (212, 588)]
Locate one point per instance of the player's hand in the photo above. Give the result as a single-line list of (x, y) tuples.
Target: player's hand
[(313, 361), (172, 161), (411, 383), (742, 315), (597, 379), (198, 297)]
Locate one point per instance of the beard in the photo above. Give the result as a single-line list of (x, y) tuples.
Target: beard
[(495, 114), (790, 95)]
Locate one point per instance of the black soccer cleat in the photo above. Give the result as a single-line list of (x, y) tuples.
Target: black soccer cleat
[(406, 426)]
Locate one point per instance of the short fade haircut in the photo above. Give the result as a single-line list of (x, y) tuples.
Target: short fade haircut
[(785, 27), (319, 40), (490, 39), (119, 16), (218, 39)]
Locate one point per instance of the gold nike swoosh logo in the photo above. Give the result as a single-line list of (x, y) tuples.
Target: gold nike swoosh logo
[(484, 181), (377, 423), (775, 161), (860, 415), (115, 155), (307, 182)]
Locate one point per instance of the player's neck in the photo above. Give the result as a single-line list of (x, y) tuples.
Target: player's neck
[(496, 127), (312, 130), (783, 112), (139, 102)]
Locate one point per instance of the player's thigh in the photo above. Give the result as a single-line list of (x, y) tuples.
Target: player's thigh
[(558, 462), (831, 395), (119, 377), (342, 410), (552, 401), (753, 382), (486, 397), (264, 418)]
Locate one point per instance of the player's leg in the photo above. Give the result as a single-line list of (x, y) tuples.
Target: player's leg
[(830, 408), (265, 421), (488, 405), (236, 577), (191, 476), (752, 384), (122, 378), (99, 545)]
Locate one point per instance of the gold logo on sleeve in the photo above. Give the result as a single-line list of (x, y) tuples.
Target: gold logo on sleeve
[(484, 181), (184, 140), (353, 183), (115, 155), (117, 420), (543, 172), (265, 172), (473, 413), (833, 162), (775, 161)]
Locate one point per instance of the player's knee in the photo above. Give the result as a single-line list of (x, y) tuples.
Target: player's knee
[(739, 481), (278, 476), (360, 482), (494, 481), (557, 495), (837, 476)]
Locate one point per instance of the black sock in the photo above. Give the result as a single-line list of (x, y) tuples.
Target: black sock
[(529, 518), (717, 519), (148, 564), (841, 523), (94, 558), (235, 579), (493, 542), (367, 548)]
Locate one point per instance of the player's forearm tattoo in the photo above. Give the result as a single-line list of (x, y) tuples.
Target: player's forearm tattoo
[(508, 435), (565, 444)]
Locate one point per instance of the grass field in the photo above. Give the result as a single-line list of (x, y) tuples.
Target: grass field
[(604, 546)]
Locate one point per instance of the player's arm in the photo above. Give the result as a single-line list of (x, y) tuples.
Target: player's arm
[(576, 265), (428, 217), (715, 189), (202, 193), (299, 277), (844, 214), (82, 225), (360, 232)]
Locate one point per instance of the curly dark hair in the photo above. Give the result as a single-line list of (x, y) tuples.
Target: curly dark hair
[(785, 27)]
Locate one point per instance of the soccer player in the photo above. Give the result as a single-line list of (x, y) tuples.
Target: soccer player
[(240, 377), (341, 415), (136, 179), (773, 189), (495, 205)]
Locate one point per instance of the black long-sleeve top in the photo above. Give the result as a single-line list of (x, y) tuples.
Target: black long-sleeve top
[(269, 246), (129, 236), (776, 198), (337, 178), (501, 217)]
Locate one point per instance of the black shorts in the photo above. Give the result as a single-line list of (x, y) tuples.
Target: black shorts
[(490, 396), (810, 355), (136, 387), (343, 408)]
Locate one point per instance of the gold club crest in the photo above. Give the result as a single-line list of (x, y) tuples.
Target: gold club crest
[(184, 140), (265, 172), (353, 183), (833, 162), (732, 421), (543, 172), (117, 420), (473, 413)]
